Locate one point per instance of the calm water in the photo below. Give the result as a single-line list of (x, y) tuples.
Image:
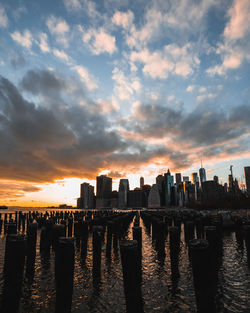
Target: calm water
[(160, 292)]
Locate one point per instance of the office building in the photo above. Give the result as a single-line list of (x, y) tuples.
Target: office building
[(202, 173), (216, 179), (168, 183), (177, 179), (123, 193), (186, 179), (154, 199), (195, 178), (103, 191), (86, 200), (137, 198)]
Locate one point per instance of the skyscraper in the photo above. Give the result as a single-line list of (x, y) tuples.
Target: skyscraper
[(202, 173), (154, 199), (247, 178), (178, 179), (141, 182), (103, 191), (185, 179), (195, 178), (168, 183), (86, 200), (123, 193)]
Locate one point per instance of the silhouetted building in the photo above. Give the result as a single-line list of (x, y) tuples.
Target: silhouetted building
[(168, 183), (154, 199), (247, 178), (141, 182), (137, 199), (160, 184), (103, 191), (216, 179), (202, 173), (195, 178), (146, 188), (177, 179), (123, 193), (186, 179), (230, 182), (114, 199), (212, 191), (86, 200)]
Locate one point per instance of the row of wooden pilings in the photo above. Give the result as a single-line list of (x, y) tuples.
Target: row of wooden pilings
[(56, 234), (60, 231)]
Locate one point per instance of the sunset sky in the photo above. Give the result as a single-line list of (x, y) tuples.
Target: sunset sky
[(126, 88)]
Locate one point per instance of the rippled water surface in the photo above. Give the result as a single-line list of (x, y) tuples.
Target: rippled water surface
[(160, 292)]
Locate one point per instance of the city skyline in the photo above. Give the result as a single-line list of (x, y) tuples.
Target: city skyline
[(122, 88)]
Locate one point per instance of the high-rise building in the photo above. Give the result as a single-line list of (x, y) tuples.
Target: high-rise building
[(202, 173), (161, 188), (195, 178), (141, 182), (216, 179), (123, 193), (86, 200), (154, 199), (177, 179), (247, 178), (159, 182), (137, 198), (168, 183), (230, 182), (103, 191), (186, 179)]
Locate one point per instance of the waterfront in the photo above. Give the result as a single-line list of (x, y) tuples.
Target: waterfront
[(160, 292)]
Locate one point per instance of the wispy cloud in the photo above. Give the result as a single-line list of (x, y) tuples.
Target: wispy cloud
[(72, 5), (43, 43), (59, 28), (172, 59), (99, 41), (85, 77), (123, 19), (234, 49), (3, 18), (125, 86), (61, 55), (24, 39)]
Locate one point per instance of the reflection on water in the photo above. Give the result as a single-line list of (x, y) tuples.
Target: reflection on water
[(163, 289)]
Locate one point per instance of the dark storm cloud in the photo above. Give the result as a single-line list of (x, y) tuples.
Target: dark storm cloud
[(42, 81), (197, 128), (59, 138)]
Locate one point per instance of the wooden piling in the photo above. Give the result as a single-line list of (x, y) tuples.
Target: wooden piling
[(64, 274), (131, 276)]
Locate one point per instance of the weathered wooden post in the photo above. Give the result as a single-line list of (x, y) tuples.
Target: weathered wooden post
[(70, 224), (84, 234), (58, 230), (247, 241), (31, 250), (64, 274), (174, 245), (202, 275), (110, 227), (131, 276), (97, 253), (13, 272), (137, 235)]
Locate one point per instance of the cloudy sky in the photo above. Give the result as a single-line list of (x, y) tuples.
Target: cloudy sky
[(123, 87)]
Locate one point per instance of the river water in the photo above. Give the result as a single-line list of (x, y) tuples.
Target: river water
[(160, 292)]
